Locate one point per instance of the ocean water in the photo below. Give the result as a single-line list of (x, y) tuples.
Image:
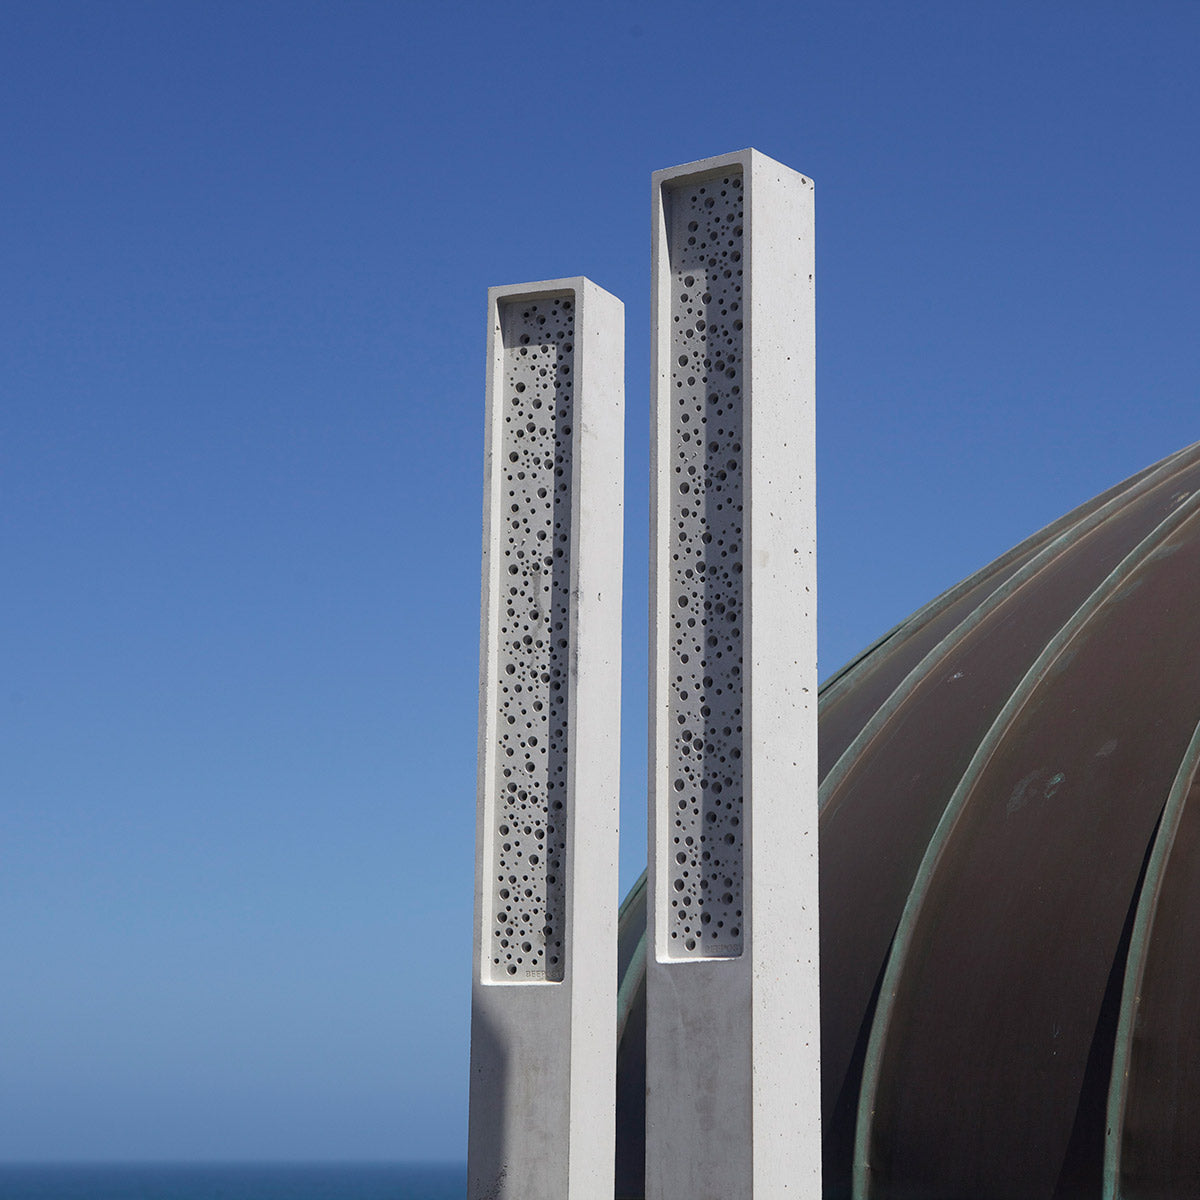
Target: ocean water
[(400, 1181)]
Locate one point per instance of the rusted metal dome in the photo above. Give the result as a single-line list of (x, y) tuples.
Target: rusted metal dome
[(1010, 877)]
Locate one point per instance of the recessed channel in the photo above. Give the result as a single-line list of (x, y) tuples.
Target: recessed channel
[(704, 825), (528, 917)]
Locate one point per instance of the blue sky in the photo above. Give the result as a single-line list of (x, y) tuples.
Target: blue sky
[(244, 256)]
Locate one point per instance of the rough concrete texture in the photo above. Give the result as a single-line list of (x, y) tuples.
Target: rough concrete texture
[(543, 1022), (733, 1095)]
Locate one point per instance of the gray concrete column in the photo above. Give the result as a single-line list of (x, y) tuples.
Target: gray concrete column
[(543, 1021), (733, 1020)]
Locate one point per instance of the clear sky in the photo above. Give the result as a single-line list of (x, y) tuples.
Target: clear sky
[(244, 252)]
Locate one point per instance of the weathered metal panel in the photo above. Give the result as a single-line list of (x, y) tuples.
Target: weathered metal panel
[(876, 825), (990, 1003), (1153, 1147)]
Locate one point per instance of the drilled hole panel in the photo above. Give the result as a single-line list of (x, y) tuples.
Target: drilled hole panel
[(704, 851), (530, 809)]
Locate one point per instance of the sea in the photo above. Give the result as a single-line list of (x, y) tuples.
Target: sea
[(159, 1181)]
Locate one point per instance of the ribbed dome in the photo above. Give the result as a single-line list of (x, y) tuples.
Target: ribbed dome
[(1010, 877)]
